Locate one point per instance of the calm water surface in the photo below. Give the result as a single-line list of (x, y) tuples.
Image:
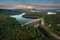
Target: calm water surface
[(20, 18)]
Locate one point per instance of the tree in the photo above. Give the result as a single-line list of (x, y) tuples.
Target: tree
[(11, 29)]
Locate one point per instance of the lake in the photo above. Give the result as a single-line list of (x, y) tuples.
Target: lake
[(20, 18)]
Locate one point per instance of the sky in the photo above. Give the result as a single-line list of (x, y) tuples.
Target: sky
[(31, 2), (13, 4)]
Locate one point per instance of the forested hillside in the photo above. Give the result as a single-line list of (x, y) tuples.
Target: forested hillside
[(11, 12), (11, 29)]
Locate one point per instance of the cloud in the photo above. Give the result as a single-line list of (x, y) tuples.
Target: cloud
[(25, 6)]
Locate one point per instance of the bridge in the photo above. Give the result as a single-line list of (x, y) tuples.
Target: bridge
[(36, 24)]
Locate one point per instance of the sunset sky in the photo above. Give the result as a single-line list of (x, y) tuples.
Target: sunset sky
[(31, 2)]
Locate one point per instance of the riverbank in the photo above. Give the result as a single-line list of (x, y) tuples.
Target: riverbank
[(21, 19)]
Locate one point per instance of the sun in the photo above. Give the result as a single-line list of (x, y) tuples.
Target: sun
[(30, 7)]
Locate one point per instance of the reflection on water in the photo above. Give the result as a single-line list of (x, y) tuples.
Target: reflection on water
[(20, 18)]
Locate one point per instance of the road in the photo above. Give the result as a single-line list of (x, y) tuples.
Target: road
[(45, 27)]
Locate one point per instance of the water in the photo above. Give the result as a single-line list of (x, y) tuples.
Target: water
[(20, 18)]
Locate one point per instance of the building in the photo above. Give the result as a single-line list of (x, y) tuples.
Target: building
[(49, 13)]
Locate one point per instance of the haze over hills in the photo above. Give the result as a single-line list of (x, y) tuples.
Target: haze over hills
[(26, 6)]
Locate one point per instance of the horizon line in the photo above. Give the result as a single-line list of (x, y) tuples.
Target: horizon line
[(26, 6)]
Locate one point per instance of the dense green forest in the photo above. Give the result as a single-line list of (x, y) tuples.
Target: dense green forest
[(54, 20), (35, 15), (11, 12), (11, 29)]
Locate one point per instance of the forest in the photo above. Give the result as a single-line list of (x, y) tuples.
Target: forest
[(11, 29)]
